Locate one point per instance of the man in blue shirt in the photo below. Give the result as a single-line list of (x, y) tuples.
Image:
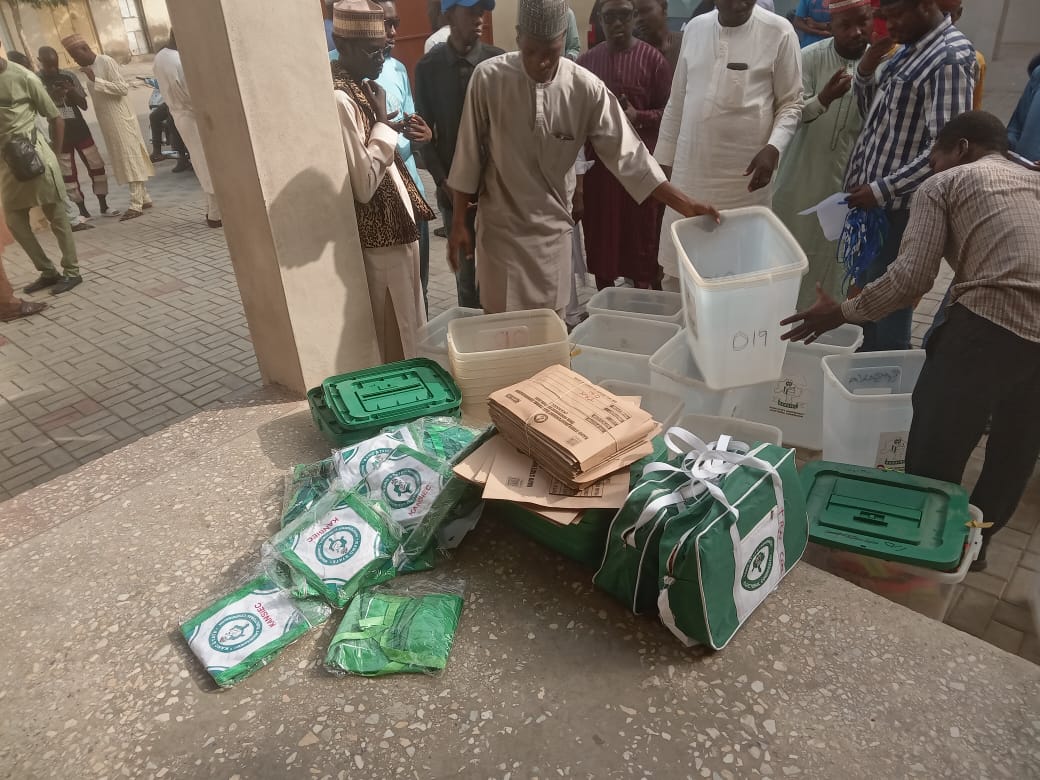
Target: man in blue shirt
[(394, 80), (812, 20), (1024, 127)]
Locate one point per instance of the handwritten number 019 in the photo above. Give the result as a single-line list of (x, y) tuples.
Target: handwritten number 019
[(742, 340)]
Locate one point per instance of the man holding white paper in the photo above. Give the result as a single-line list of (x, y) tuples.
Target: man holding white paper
[(814, 166)]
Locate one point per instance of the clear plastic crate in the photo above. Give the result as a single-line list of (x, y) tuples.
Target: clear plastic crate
[(610, 346)]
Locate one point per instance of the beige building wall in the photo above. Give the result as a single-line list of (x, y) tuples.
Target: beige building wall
[(156, 22)]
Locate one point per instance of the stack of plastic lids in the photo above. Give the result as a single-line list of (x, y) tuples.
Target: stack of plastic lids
[(493, 351), (353, 407), (433, 336)]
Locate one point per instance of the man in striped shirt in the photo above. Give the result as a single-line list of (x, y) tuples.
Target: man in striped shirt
[(981, 211), (926, 83)]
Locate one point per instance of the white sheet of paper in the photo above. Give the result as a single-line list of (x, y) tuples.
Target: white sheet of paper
[(831, 212)]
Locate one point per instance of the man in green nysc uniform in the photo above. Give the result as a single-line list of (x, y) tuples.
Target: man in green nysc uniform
[(22, 98)]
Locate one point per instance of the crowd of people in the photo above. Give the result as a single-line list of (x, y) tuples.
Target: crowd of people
[(43, 132), (878, 99)]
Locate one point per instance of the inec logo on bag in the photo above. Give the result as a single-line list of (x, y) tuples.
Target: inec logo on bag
[(759, 566), (338, 545), (234, 632), (373, 459), (401, 488)]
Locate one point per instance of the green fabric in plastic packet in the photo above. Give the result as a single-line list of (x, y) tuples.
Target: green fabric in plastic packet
[(245, 630), (304, 485), (355, 462), (339, 545), (405, 628), (441, 437)]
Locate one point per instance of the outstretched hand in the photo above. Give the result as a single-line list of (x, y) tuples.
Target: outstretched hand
[(762, 167), (823, 316)]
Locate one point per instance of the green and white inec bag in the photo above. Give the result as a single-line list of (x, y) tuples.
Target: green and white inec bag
[(733, 547)]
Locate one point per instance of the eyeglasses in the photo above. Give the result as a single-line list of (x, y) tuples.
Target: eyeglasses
[(610, 17), (379, 55), (392, 24)]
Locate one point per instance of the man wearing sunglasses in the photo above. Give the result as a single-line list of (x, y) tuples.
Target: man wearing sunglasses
[(387, 200)]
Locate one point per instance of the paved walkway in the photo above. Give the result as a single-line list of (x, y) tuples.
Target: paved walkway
[(157, 333)]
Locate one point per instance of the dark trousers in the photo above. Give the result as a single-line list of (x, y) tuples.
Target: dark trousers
[(976, 372), (161, 120), (893, 331), (424, 261), (466, 278)]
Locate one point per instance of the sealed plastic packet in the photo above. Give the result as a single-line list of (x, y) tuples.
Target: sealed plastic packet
[(406, 627), (407, 483), (442, 437), (245, 630), (340, 544), (355, 462), (304, 485)]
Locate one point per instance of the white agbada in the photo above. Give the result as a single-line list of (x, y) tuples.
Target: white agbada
[(174, 87), (393, 272), (127, 152), (518, 141), (719, 117)]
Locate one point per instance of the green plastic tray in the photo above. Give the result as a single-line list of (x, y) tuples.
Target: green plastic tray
[(374, 398), (886, 514), (325, 421)]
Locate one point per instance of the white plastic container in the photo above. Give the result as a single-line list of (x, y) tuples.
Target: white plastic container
[(708, 429), (673, 369), (659, 305), (867, 407), (611, 346), (739, 279), (794, 402), (492, 351), (922, 590), (663, 407), (433, 336)]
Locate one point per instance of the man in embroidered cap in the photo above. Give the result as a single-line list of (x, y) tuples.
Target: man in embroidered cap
[(904, 104), (527, 115), (386, 199), (814, 164), (126, 148)]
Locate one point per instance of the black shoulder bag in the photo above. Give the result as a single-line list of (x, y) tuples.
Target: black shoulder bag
[(22, 158)]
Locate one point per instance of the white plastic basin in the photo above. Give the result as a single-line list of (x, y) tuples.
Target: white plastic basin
[(739, 279), (611, 346), (708, 429), (663, 407), (658, 305), (433, 336), (673, 369), (867, 407), (794, 402)]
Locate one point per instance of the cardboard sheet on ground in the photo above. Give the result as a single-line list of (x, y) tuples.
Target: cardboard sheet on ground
[(516, 477), (477, 466)]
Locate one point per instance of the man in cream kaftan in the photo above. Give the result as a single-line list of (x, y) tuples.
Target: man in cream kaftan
[(174, 87), (736, 103), (530, 135), (126, 148)]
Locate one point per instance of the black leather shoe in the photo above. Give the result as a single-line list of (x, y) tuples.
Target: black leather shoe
[(41, 284), (66, 284)]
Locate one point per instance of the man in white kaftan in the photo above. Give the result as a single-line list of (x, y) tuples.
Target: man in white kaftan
[(527, 115), (174, 87), (736, 103), (126, 148)]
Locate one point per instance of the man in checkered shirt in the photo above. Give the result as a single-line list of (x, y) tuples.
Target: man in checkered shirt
[(905, 103), (981, 211)]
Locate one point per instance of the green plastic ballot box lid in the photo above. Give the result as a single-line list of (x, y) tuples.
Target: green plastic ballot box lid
[(395, 393), (886, 514)]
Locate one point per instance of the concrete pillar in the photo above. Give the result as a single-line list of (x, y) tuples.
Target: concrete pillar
[(260, 82)]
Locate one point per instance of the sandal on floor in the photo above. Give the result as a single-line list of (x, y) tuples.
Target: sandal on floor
[(27, 309), (131, 214)]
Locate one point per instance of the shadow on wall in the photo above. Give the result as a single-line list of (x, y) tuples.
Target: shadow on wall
[(314, 231)]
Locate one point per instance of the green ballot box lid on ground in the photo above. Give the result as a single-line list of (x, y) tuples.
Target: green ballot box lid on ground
[(394, 393), (886, 514), (325, 421)]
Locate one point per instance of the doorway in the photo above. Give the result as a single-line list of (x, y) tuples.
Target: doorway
[(135, 33)]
